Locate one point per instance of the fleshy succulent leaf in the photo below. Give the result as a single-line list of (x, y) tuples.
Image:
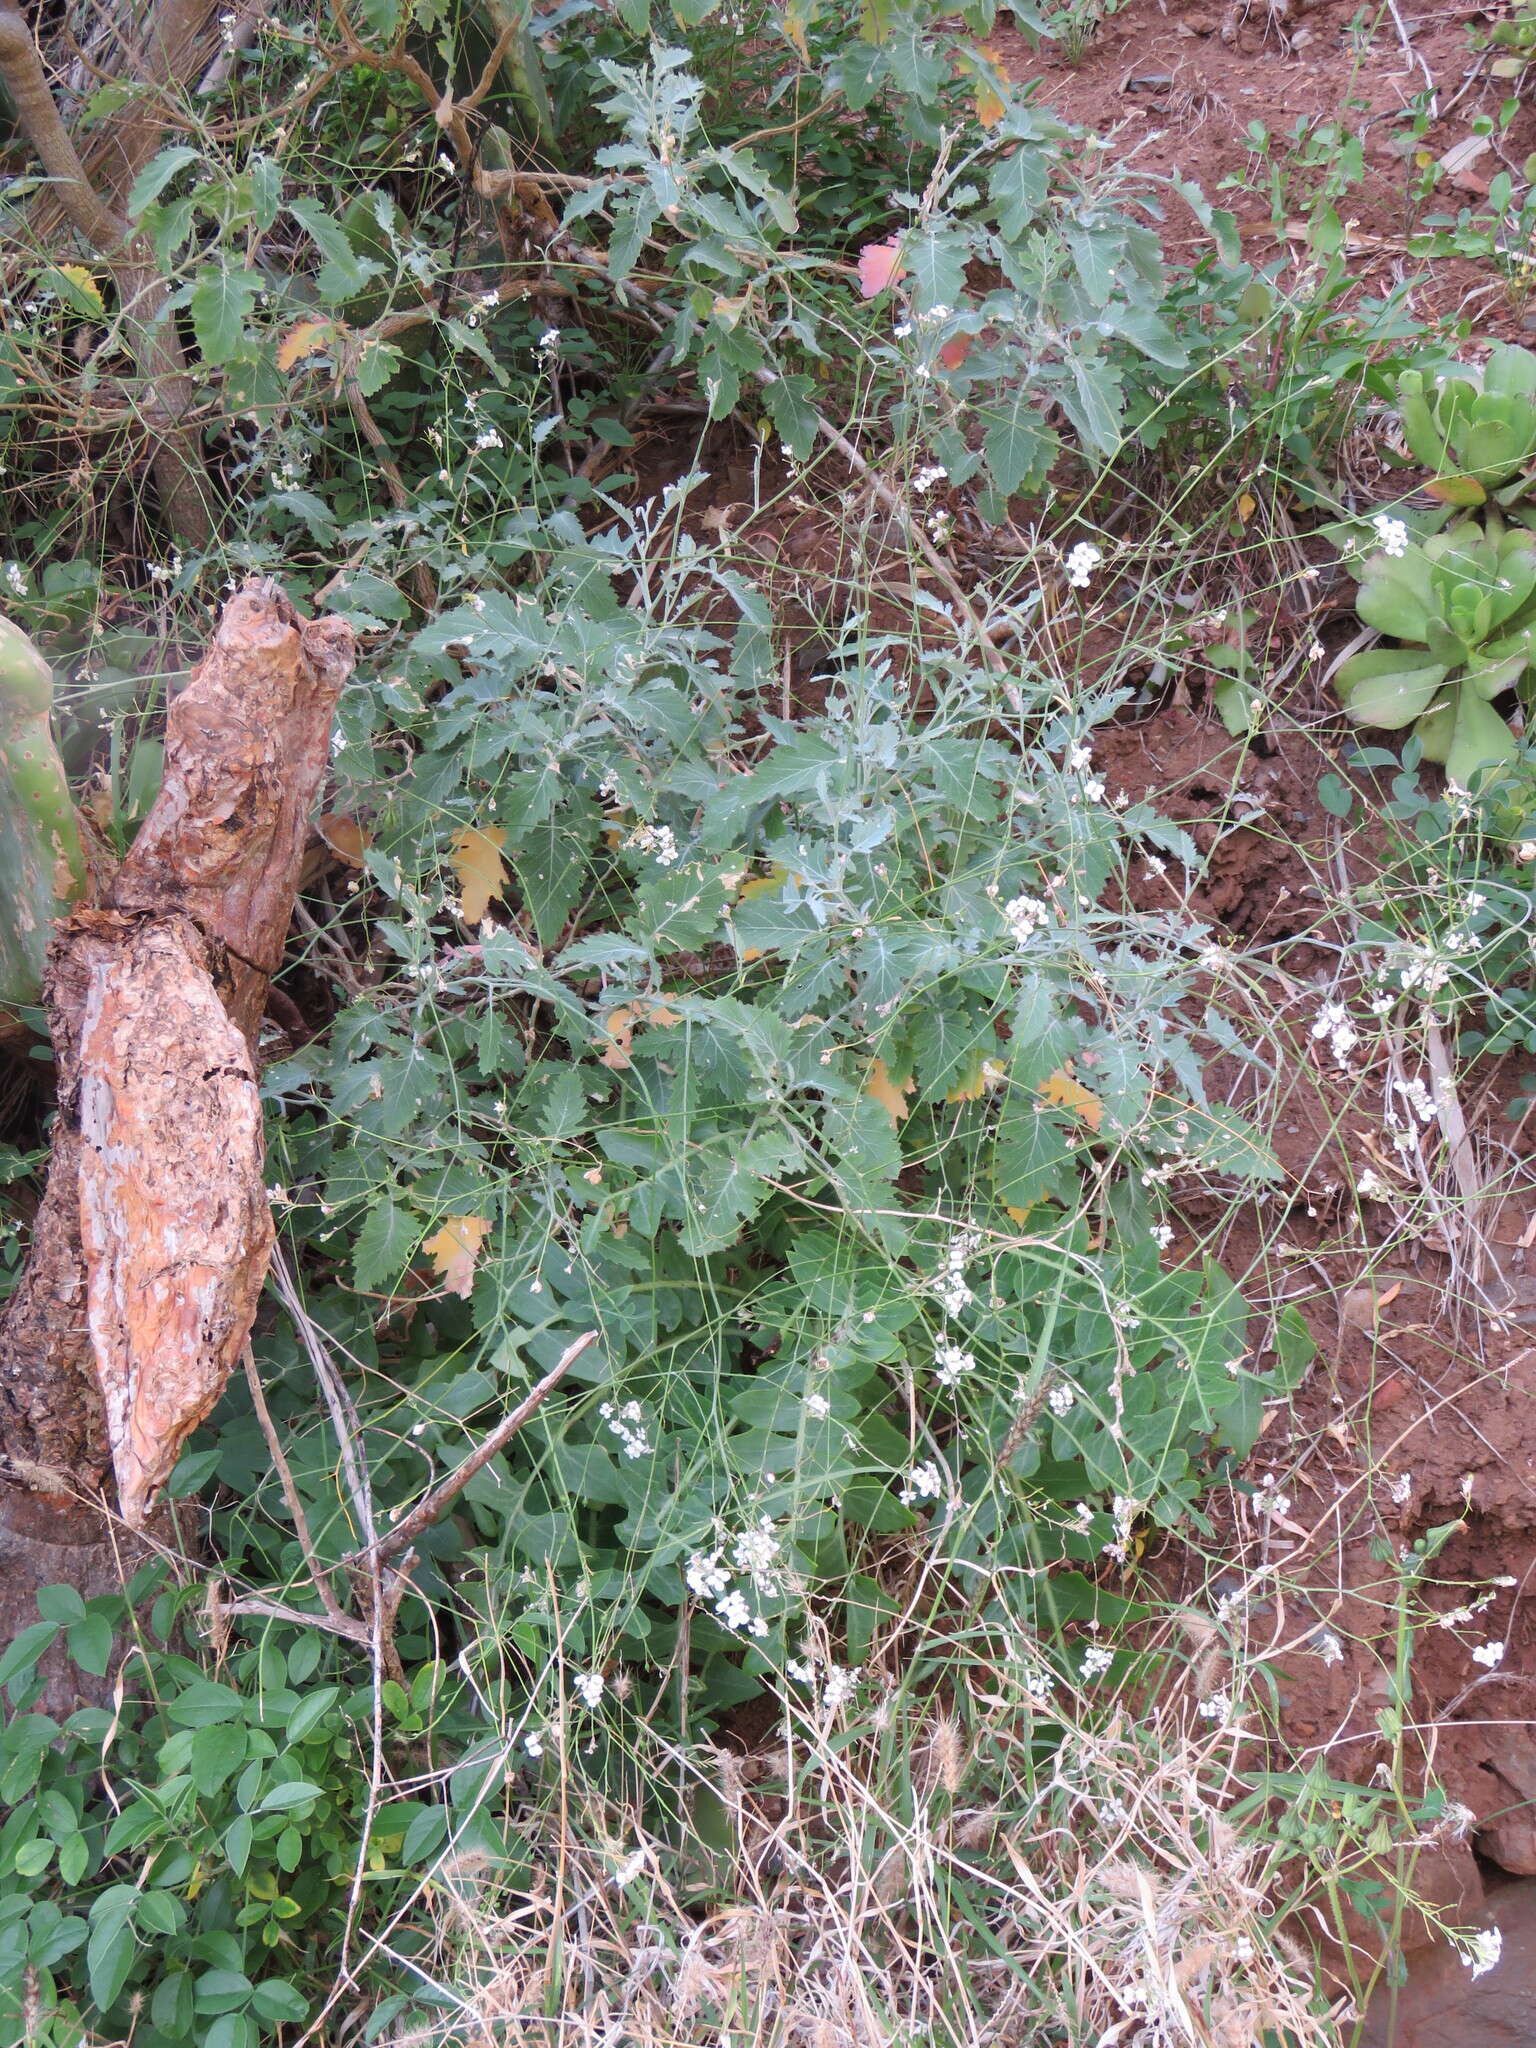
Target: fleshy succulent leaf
[(1389, 686)]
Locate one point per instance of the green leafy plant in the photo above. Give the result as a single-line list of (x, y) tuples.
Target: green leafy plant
[(1460, 602), (1475, 428)]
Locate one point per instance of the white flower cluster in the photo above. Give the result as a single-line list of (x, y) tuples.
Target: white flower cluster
[(590, 1687), (628, 1425), (658, 840), (757, 1555), (1097, 1659), (1024, 917), (948, 1283), (1489, 1655), (924, 1482), (837, 1686), (1123, 1510), (1333, 1023), (1062, 1398), (951, 1362), (930, 474), (1081, 562), (1391, 534), (1080, 763)]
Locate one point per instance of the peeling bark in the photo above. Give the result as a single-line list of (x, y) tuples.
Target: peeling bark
[(151, 1245), (174, 1224)]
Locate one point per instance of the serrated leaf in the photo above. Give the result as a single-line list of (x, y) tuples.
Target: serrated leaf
[(156, 175), (220, 302), (1018, 448), (789, 406), (382, 1246), (454, 1250)]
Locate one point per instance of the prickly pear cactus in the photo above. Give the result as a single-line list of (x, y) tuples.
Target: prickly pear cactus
[(42, 865)]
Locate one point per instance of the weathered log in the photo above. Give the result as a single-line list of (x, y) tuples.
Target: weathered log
[(151, 1244)]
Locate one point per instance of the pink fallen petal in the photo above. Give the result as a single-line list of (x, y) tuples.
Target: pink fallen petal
[(880, 265)]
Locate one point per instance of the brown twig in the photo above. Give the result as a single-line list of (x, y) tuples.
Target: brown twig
[(427, 1511)]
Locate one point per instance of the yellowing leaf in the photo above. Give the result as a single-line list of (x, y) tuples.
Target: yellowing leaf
[(344, 836), (1021, 1216), (990, 104), (619, 1025), (880, 265), (891, 1095), (85, 286), (454, 1250), (793, 24), (1247, 505), (1062, 1092), (1456, 490), (978, 1077), (955, 350), (305, 338), (476, 858)]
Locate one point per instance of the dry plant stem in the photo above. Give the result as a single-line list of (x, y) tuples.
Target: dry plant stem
[(939, 564), (151, 334), (373, 434), (426, 1512), (1459, 1145), (319, 1577)]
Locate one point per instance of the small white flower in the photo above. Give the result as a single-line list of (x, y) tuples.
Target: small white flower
[(706, 1577), (1483, 1950), (1489, 1655), (1097, 1659), (756, 1552), (1081, 562), (549, 341), (658, 840), (924, 1482), (1269, 1500), (930, 474), (1217, 1708), (489, 438), (533, 1744), (1062, 1399), (950, 1362), (1327, 1646), (839, 1687), (628, 1425), (1333, 1023), (629, 1869), (818, 1407), (1391, 534), (733, 1610), (590, 1686), (1024, 916)]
